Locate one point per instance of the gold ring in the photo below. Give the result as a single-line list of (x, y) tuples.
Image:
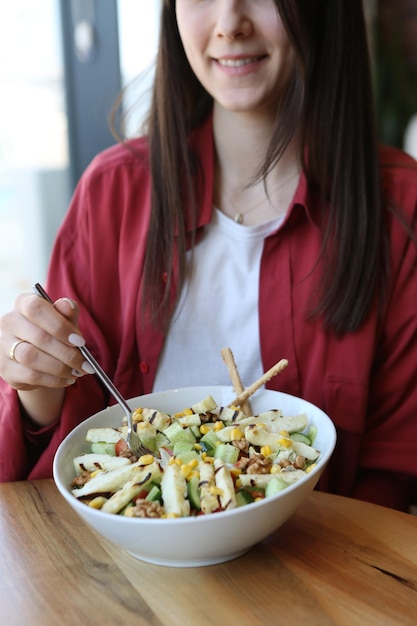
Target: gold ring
[(13, 349)]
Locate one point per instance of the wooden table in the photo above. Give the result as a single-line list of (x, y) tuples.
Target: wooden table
[(337, 561)]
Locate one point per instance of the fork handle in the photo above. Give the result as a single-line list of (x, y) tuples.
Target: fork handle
[(105, 379)]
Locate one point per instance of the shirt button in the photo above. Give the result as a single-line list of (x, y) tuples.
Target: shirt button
[(144, 367)]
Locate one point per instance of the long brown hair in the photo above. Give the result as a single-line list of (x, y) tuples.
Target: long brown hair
[(330, 102)]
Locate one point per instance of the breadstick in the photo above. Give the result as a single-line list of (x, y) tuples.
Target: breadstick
[(249, 391), (228, 358)]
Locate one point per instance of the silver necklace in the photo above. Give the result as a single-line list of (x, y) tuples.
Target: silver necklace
[(239, 215)]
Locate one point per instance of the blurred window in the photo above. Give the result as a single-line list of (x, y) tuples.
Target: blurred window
[(33, 142), (138, 39)]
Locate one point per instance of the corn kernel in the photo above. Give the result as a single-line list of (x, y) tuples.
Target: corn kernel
[(236, 434), (284, 433), (216, 491), (129, 511), (218, 426), (198, 446), (172, 461), (266, 450), (177, 461), (193, 463), (284, 442), (186, 471), (275, 469), (236, 471), (204, 429), (310, 468), (184, 413), (170, 515), (258, 499), (137, 415), (94, 474), (97, 503), (194, 474), (146, 459), (238, 483)]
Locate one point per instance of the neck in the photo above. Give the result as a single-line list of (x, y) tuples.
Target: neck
[(241, 142)]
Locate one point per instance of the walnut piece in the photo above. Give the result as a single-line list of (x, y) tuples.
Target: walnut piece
[(259, 464), (145, 508), (242, 444), (81, 480)]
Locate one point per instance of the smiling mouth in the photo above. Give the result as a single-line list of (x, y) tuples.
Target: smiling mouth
[(238, 62)]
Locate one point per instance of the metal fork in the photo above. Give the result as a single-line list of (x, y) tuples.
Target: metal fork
[(133, 441)]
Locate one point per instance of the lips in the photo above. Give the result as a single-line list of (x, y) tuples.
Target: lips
[(229, 62), (238, 60)]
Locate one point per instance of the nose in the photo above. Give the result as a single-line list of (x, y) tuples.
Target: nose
[(233, 21)]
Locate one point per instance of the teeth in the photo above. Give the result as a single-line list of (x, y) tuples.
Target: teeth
[(237, 62)]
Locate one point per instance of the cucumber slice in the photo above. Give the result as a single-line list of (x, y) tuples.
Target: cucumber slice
[(243, 497), (196, 431), (205, 447), (275, 486), (210, 438), (186, 457), (175, 433), (226, 453), (154, 494), (148, 440), (182, 446), (312, 433), (193, 491), (161, 441), (301, 437), (102, 447)]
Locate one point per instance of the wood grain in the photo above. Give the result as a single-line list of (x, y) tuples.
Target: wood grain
[(337, 561)]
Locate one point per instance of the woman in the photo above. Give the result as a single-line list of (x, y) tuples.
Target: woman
[(257, 213)]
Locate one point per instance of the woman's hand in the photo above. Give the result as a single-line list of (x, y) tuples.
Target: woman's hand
[(38, 353)]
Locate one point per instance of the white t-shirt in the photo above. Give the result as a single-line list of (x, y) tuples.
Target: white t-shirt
[(218, 308)]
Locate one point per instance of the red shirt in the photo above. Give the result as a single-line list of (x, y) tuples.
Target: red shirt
[(366, 381)]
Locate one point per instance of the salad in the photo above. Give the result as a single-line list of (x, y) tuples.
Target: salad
[(203, 460)]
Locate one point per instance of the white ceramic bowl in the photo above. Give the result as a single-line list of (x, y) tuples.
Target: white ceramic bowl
[(206, 539)]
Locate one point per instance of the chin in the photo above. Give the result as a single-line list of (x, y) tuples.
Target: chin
[(248, 108)]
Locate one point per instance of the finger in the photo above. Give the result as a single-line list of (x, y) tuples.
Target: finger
[(68, 308), (49, 333), (48, 317), (46, 354), (30, 368)]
